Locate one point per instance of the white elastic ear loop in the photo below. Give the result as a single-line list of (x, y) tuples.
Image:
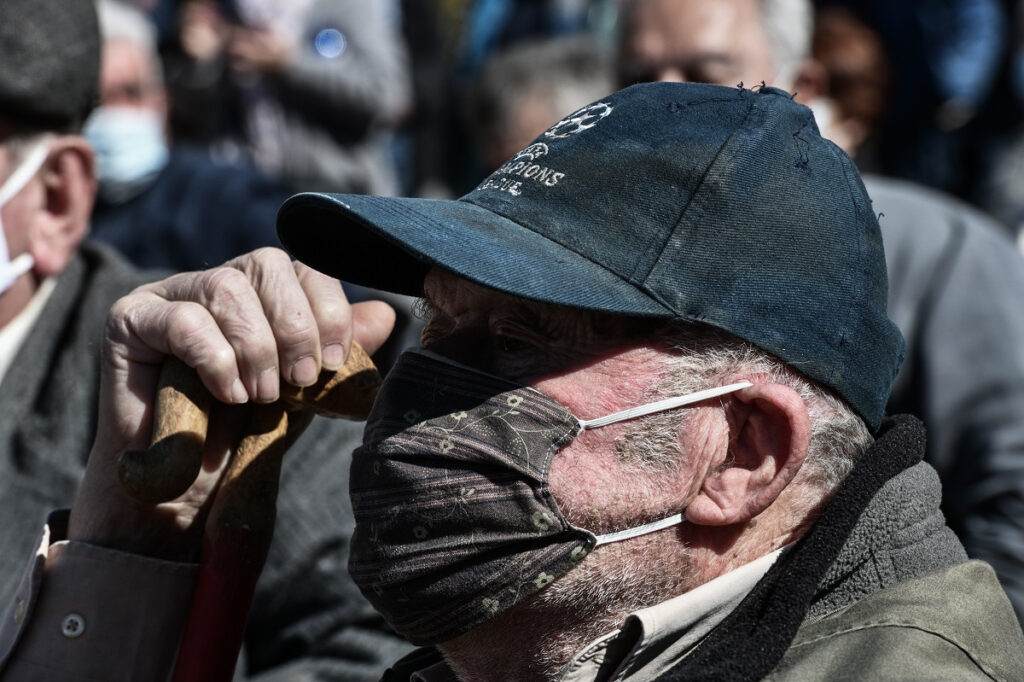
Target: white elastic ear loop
[(673, 520), (663, 405), (651, 408), (23, 173), (10, 270)]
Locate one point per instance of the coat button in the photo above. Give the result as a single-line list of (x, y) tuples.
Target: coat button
[(73, 626)]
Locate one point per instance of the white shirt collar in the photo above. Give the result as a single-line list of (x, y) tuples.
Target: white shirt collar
[(13, 334), (654, 639)]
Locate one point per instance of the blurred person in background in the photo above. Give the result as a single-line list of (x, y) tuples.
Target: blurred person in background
[(162, 204), (307, 90), (945, 124), (955, 282), (523, 90), (167, 205), (1001, 191), (308, 621), (450, 41), (856, 85)]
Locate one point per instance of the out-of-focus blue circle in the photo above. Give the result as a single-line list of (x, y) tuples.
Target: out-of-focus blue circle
[(330, 43)]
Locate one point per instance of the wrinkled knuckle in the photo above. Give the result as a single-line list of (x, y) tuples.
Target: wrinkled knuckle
[(335, 314), (123, 318), (220, 359), (116, 333), (272, 258), (189, 326), (296, 329), (226, 285), (120, 310)]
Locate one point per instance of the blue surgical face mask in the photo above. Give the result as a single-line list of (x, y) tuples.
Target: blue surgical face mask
[(130, 150), (455, 522), (11, 270)]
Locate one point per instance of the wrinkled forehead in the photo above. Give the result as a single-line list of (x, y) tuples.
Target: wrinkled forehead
[(446, 294)]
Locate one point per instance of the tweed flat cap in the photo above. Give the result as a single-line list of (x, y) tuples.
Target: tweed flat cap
[(49, 62)]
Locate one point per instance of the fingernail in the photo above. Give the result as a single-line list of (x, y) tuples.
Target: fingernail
[(304, 371), (333, 356), (268, 386), (238, 393)]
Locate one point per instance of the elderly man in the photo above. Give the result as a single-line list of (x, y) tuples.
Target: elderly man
[(955, 280), (644, 438), (54, 296), (164, 205)]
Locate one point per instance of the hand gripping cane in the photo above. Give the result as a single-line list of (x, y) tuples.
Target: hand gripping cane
[(240, 524)]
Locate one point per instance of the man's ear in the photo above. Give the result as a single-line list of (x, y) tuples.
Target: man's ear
[(69, 185), (769, 433)]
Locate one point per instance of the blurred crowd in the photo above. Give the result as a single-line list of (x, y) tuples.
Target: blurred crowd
[(213, 112), (378, 97)]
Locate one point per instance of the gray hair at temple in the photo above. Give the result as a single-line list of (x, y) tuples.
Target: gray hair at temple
[(119, 21), (789, 25), (522, 91)]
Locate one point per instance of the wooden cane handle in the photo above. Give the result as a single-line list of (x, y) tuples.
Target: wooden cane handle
[(180, 418), (182, 412)]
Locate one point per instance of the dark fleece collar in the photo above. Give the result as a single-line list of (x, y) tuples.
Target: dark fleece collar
[(751, 641)]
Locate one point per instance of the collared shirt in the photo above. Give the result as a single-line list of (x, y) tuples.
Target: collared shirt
[(654, 639), (14, 332), (103, 615)]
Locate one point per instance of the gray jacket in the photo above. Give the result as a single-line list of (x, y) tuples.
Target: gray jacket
[(307, 620), (956, 291)]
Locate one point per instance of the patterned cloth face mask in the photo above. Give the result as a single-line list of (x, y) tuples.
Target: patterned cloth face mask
[(11, 270), (454, 519)]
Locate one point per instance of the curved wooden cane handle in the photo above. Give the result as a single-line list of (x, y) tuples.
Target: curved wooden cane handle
[(182, 412)]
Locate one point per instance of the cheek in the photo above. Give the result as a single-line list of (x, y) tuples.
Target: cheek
[(599, 492), (604, 387), (15, 216), (587, 482)]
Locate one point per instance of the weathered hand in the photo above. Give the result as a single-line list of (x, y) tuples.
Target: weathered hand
[(243, 327)]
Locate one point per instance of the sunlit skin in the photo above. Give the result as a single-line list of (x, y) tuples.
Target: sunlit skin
[(595, 364), (592, 363), (48, 216)]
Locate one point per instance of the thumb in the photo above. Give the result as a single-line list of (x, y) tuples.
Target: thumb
[(372, 322)]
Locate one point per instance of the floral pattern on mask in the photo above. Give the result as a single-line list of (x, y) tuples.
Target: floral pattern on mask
[(454, 519)]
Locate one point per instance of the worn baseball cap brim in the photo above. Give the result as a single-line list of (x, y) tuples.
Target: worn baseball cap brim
[(391, 243), (689, 202)]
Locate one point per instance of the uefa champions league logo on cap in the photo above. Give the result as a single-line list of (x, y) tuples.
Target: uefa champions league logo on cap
[(525, 169), (581, 120)]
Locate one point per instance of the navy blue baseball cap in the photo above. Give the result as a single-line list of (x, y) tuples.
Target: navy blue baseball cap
[(679, 201)]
